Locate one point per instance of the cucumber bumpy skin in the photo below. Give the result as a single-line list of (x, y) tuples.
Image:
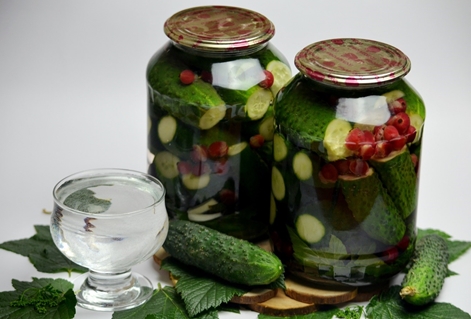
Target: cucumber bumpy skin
[(428, 271), (227, 257)]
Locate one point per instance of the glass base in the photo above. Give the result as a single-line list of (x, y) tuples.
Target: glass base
[(112, 291)]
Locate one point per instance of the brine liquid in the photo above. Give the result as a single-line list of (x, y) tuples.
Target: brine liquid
[(109, 237)]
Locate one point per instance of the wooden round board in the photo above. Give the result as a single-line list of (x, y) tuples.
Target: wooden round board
[(282, 305), (306, 292)]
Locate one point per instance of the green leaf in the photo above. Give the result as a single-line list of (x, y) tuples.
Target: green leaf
[(200, 290), (21, 302), (389, 305), (84, 200), (165, 303), (351, 312), (42, 252), (327, 312)]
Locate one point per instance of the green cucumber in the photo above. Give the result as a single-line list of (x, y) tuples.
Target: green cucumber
[(268, 54), (278, 184), (227, 132), (305, 115), (237, 148), (428, 271), (166, 164), (197, 103), (397, 173), (281, 75), (418, 123), (177, 137), (264, 126), (415, 104), (280, 147), (302, 166), (373, 208), (310, 228), (194, 182), (336, 133), (227, 257)]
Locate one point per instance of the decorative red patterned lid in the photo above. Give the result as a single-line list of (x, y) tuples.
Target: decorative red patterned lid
[(353, 63), (218, 28)]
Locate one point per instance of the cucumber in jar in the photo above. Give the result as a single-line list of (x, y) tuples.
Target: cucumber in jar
[(372, 207), (251, 104), (304, 118), (397, 173), (197, 103), (176, 136)]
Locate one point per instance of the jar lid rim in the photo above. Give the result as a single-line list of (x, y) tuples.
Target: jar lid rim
[(219, 28), (352, 62)]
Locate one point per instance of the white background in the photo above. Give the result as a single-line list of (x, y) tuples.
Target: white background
[(73, 97)]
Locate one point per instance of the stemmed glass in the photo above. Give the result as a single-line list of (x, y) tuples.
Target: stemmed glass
[(109, 220)]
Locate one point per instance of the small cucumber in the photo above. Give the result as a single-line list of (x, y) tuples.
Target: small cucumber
[(177, 137), (280, 149), (334, 139), (166, 164), (281, 74), (227, 257), (258, 103), (302, 166), (278, 184), (310, 228), (397, 173), (425, 278)]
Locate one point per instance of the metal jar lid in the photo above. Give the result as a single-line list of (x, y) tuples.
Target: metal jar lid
[(352, 63), (218, 28)]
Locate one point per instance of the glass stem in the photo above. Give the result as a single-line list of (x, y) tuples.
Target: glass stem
[(110, 282)]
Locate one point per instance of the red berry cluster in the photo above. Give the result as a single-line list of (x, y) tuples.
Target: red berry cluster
[(384, 139), (378, 143), (206, 159)]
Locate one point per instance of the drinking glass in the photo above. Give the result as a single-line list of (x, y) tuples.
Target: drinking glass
[(109, 220)]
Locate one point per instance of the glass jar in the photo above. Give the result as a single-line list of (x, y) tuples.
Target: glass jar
[(347, 148), (210, 112)]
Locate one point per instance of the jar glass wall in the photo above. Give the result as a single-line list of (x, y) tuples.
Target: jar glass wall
[(210, 104), (345, 175)]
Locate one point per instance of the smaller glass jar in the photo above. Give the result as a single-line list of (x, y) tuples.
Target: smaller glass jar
[(210, 104), (348, 136)]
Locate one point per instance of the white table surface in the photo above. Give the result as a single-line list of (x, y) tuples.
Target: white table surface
[(73, 97)]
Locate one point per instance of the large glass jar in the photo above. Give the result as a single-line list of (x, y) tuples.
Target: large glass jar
[(210, 105), (347, 148)]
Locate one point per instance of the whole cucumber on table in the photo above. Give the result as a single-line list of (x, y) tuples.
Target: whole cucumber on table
[(425, 278), (227, 257)]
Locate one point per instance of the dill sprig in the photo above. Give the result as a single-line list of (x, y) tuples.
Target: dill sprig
[(352, 312), (39, 298)]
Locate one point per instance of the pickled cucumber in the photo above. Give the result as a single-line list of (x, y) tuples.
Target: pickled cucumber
[(278, 184), (176, 136), (280, 148), (398, 176), (254, 101), (334, 140), (187, 102), (310, 228), (281, 74), (373, 208), (304, 116), (302, 166)]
